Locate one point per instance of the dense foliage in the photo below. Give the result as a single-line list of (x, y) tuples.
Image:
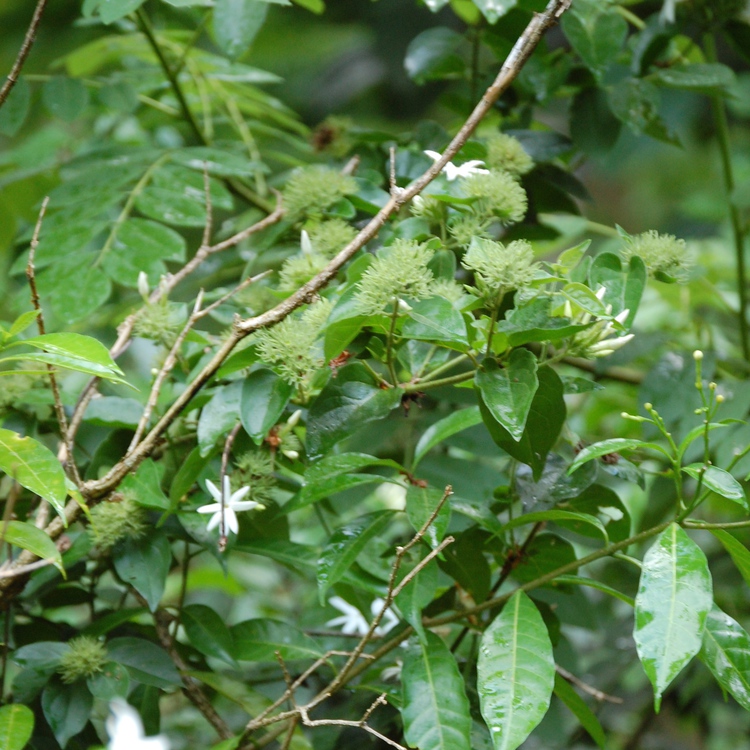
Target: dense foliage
[(313, 437)]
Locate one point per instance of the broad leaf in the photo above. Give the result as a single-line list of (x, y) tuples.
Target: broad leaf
[(674, 597), (565, 518), (704, 78), (67, 708), (420, 504), (111, 682), (435, 319), (263, 400), (515, 672), (219, 415), (145, 661), (65, 97), (726, 652), (34, 467), (445, 428), (29, 537), (16, 726), (416, 595), (259, 640), (596, 36), (236, 23), (433, 54), (144, 563), (737, 551), (719, 481), (207, 631), (508, 392), (145, 485), (579, 708), (614, 445), (435, 709)]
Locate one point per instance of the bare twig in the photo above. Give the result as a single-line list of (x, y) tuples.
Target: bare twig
[(23, 53), (22, 571), (579, 683), (308, 722), (290, 733), (228, 443), (224, 298)]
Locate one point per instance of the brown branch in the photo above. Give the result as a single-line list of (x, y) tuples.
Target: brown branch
[(579, 683), (23, 53)]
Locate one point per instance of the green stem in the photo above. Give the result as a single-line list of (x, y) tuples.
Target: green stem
[(722, 136), (389, 344), (631, 17), (424, 386), (148, 31), (688, 524), (449, 365)]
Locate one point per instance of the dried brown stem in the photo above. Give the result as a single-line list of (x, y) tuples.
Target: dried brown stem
[(23, 53), (225, 297), (579, 683), (25, 569)]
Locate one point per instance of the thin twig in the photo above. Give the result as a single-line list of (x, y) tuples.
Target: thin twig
[(22, 571), (23, 53), (209, 209), (308, 722), (226, 297), (290, 733), (579, 683), (228, 443)]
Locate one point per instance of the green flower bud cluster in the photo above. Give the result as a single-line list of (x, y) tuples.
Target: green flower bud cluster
[(255, 470), (664, 255), (160, 321), (331, 236), (499, 268), (400, 270), (84, 658), (311, 190), (505, 153), (498, 196), (465, 227), (14, 385), (447, 289), (117, 519), (290, 346)]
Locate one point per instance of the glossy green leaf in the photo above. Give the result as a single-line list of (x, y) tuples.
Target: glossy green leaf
[(674, 597), (416, 595), (348, 402), (113, 411), (328, 487), (579, 708), (547, 552), (420, 504), (465, 562), (726, 652), (145, 485), (543, 424), (624, 286), (455, 422), (344, 547), (144, 563), (508, 392), (704, 78), (66, 708), (604, 503), (142, 245), (515, 672), (614, 445), (65, 97), (344, 463), (298, 557), (207, 631), (719, 481), (236, 23), (435, 709), (259, 640), (596, 36), (15, 109), (433, 54), (145, 661), (737, 551), (566, 518), (219, 415), (34, 467), (74, 288), (29, 537), (533, 322), (493, 10), (16, 726), (111, 682), (435, 319), (113, 10), (263, 400)]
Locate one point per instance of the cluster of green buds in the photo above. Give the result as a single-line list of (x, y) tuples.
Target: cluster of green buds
[(603, 337)]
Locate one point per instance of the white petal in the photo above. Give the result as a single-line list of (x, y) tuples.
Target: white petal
[(214, 521), (342, 605), (245, 505), (434, 155), (211, 508), (623, 316), (305, 243), (227, 489), (451, 171), (230, 519), (241, 492), (213, 490)]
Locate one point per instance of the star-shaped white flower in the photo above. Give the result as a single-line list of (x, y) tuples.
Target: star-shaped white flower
[(125, 730), (232, 502), (353, 622), (467, 169)]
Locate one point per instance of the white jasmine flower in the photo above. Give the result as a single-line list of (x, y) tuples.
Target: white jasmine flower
[(390, 619), (305, 243), (125, 730), (231, 503), (143, 289), (467, 169), (352, 621)]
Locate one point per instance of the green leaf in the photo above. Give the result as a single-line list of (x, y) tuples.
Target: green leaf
[(348, 402), (580, 710), (433, 54), (602, 502), (509, 392), (613, 445), (704, 78), (22, 322), (113, 411), (737, 551), (111, 682), (219, 415), (465, 562), (260, 639), (263, 400), (34, 467), (674, 597), (144, 563), (547, 552), (420, 504), (67, 708), (726, 652), (596, 36), (435, 319), (416, 595), (113, 10), (207, 631), (593, 127), (435, 709), (533, 322), (16, 108), (545, 419), (328, 487), (16, 726), (344, 547), (65, 97), (343, 463), (569, 580), (74, 288), (567, 519), (236, 23), (493, 10), (142, 245), (515, 672), (29, 537), (145, 661), (624, 287), (719, 481), (445, 428)]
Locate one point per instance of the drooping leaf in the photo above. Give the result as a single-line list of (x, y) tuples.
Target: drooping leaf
[(508, 392), (455, 422), (719, 481), (435, 709), (579, 708), (144, 563), (33, 466), (236, 23), (16, 726), (207, 631), (737, 551), (67, 708), (263, 400), (420, 504), (674, 598), (726, 652), (145, 661), (515, 672), (29, 537)]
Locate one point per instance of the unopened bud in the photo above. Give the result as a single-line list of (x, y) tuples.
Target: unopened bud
[(143, 289), (291, 455), (720, 399), (712, 386), (305, 243), (622, 316), (294, 419), (600, 292), (648, 406), (697, 355)]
